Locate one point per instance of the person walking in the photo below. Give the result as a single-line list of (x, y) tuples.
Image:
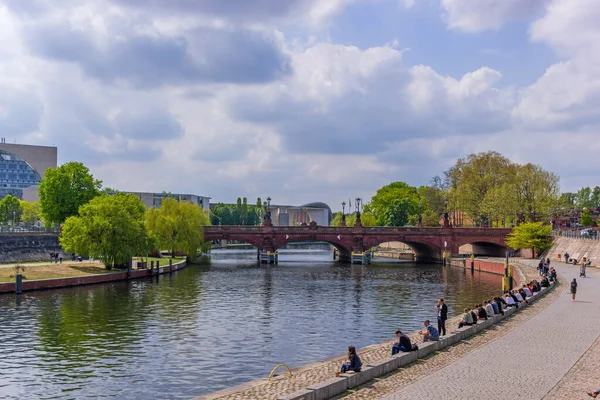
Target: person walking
[(442, 310), (573, 289)]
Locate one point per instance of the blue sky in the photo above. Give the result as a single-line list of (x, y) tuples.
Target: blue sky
[(302, 100)]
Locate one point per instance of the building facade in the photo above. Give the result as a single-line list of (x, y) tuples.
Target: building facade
[(320, 213), (155, 199), (22, 167)]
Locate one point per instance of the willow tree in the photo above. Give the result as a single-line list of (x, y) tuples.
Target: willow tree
[(110, 228), (178, 226)]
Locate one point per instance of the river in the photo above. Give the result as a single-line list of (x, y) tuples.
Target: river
[(214, 325)]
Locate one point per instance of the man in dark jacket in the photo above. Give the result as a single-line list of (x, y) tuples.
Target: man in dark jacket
[(442, 310), (403, 344)]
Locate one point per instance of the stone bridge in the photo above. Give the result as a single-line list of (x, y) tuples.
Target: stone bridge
[(428, 243)]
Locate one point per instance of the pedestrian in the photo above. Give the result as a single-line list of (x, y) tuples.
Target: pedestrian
[(442, 310), (582, 271), (567, 258), (573, 289)]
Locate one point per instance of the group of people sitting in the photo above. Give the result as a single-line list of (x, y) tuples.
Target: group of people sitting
[(482, 311)]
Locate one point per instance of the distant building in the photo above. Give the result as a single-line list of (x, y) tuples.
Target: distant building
[(22, 167), (155, 199), (298, 215)]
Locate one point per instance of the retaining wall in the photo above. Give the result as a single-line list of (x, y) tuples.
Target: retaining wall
[(23, 247), (577, 248), (9, 287), (492, 267)]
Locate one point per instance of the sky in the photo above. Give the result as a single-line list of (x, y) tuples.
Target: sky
[(301, 100)]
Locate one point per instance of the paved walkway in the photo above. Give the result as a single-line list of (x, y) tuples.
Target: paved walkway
[(529, 361)]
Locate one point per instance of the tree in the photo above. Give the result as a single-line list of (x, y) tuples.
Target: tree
[(586, 218), (64, 189), (531, 235), (110, 228), (178, 226), (31, 212), (10, 210), (398, 213), (366, 219), (383, 199)]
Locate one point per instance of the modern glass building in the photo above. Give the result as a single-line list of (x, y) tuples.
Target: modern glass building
[(23, 166)]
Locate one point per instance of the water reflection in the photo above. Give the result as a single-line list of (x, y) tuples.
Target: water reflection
[(213, 325)]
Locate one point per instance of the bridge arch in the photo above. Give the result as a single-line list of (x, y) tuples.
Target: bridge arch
[(491, 246), (424, 250)]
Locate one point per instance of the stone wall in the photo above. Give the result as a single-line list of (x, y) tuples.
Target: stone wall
[(577, 248), (22, 247)]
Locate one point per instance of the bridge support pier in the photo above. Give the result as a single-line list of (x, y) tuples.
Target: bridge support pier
[(269, 257)]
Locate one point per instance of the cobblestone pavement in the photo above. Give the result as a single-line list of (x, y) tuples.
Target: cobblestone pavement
[(530, 360), (321, 371)]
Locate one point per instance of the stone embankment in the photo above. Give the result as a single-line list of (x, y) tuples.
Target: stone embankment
[(317, 381), (26, 247), (10, 287), (577, 248)]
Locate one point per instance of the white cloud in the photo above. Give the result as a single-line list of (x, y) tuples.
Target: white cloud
[(481, 15)]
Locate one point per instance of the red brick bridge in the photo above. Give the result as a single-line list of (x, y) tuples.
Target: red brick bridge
[(428, 243)]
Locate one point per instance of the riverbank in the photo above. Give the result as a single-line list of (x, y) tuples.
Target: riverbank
[(73, 274), (317, 380)]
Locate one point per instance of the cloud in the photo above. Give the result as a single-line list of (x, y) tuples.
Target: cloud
[(150, 125), (20, 111), (345, 100), (151, 60), (482, 15)]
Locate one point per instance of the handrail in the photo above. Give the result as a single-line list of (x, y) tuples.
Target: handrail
[(277, 366)]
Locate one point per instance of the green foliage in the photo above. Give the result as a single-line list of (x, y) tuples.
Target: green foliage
[(532, 235), (31, 212), (239, 214), (64, 189), (586, 218), (10, 210), (489, 187), (366, 219), (178, 226), (398, 213), (383, 199), (110, 228)]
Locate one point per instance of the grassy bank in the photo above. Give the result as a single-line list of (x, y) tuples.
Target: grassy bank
[(35, 272)]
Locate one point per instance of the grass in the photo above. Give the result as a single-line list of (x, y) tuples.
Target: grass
[(33, 272)]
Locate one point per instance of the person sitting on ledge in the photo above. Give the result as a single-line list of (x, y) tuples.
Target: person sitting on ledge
[(523, 294), (467, 319), (353, 364), (430, 334), (481, 313), (473, 312), (527, 291), (518, 295), (501, 304), (495, 306), (403, 345), (545, 282), (489, 309), (510, 302)]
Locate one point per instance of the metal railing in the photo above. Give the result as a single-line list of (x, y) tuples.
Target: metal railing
[(583, 234), (29, 230)]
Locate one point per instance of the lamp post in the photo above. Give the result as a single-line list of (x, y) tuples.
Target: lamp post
[(446, 217), (358, 200), (419, 217), (343, 213)]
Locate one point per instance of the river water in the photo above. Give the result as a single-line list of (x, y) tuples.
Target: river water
[(214, 325)]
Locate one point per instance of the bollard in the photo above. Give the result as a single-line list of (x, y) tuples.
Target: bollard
[(170, 265), (151, 267), (129, 267), (18, 283), (157, 267)]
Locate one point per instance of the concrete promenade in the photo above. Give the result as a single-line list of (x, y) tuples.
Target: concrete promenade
[(531, 360)]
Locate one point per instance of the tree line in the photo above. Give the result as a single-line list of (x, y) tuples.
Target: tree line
[(114, 227), (237, 214)]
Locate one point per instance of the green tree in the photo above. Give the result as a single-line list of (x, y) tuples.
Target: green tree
[(64, 189), (178, 226), (531, 235), (383, 199), (31, 212), (10, 210), (398, 213), (366, 219), (586, 218), (110, 228)]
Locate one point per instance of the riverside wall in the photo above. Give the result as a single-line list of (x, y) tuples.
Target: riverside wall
[(26, 247), (491, 266), (9, 287)]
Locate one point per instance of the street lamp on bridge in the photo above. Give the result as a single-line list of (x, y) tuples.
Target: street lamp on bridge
[(357, 202), (343, 211)]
